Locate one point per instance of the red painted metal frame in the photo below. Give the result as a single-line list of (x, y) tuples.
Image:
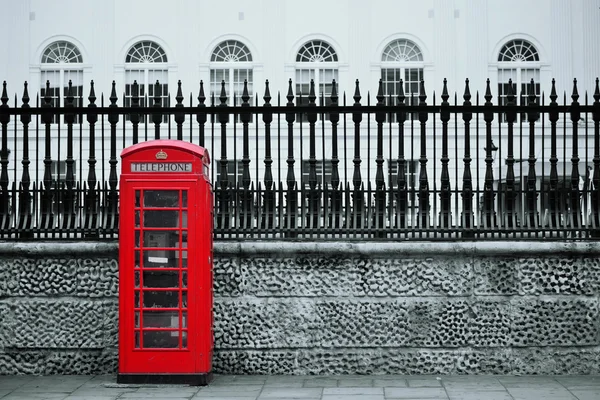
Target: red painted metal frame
[(196, 358)]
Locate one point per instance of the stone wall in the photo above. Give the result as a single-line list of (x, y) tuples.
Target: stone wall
[(325, 308)]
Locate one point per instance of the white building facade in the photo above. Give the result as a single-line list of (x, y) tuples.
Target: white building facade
[(236, 41)]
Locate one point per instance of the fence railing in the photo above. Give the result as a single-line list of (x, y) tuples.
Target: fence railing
[(399, 169)]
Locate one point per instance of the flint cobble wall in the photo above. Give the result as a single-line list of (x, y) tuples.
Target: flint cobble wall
[(298, 308)]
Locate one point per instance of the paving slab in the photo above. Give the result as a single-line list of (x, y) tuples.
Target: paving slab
[(318, 382), (352, 397), (353, 390), (424, 382), (415, 393), (294, 393)]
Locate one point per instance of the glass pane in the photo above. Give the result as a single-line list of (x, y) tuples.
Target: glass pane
[(161, 319), (136, 299), (137, 279), (136, 319), (161, 279), (184, 279), (161, 339), (161, 239), (183, 339), (161, 198), (160, 259), (184, 299), (137, 340), (137, 258), (161, 219), (137, 239), (161, 299), (137, 198)]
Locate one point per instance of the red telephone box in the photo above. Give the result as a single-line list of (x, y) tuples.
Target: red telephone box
[(165, 264)]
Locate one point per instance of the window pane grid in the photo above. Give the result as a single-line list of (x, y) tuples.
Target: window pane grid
[(146, 52)]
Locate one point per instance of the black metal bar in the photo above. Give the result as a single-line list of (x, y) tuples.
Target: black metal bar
[(489, 211), (423, 218), (357, 196), (269, 194), (112, 211), (379, 214), (445, 188), (223, 209), (402, 190), (292, 194), (574, 198), (91, 200), (313, 195), (467, 189), (25, 217), (531, 195), (335, 196), (246, 195), (179, 116), (135, 117), (510, 218)]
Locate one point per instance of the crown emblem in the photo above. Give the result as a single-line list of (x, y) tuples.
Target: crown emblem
[(161, 155)]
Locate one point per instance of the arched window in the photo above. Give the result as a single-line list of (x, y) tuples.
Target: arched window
[(231, 61), (316, 60), (61, 62), (402, 59), (518, 60), (146, 63)]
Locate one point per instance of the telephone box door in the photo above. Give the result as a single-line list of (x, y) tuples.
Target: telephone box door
[(161, 334)]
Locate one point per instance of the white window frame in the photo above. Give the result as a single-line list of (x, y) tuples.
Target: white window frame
[(231, 69), (403, 65), (147, 68), (316, 70), (520, 71), (65, 70)]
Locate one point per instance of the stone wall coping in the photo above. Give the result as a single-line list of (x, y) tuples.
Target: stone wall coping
[(345, 249)]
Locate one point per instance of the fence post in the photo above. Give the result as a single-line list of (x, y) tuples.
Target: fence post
[(201, 114), (423, 180), (69, 194), (91, 208), (5, 212), (379, 197), (489, 212), (357, 196), (467, 189), (292, 196), (402, 192), (179, 116), (510, 219), (25, 219), (112, 221), (47, 212), (531, 209), (336, 194), (312, 216), (246, 195), (445, 188), (553, 196), (135, 117), (269, 196), (156, 115), (575, 215), (223, 210)]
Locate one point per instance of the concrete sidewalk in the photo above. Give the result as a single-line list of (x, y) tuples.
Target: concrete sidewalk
[(345, 387)]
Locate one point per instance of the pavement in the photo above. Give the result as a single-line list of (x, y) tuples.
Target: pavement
[(339, 387)]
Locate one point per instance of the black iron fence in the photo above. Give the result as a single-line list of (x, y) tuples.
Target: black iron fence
[(293, 168)]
